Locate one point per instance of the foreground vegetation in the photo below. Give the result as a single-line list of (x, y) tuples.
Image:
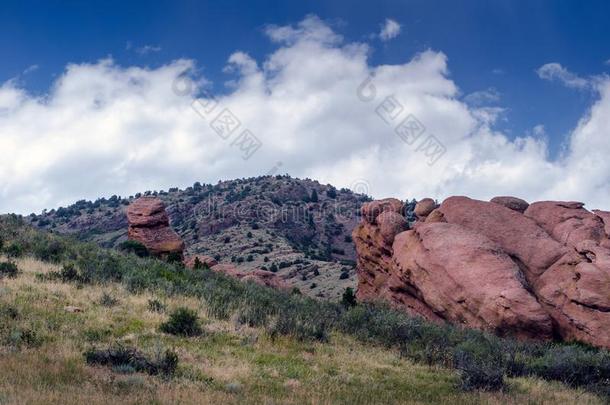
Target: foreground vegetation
[(81, 324)]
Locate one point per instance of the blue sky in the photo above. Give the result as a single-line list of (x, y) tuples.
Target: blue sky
[(472, 70), (497, 44)]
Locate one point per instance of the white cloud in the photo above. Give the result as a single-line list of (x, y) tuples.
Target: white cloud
[(30, 69), (146, 49), (607, 62), (106, 129), (312, 28), (483, 97), (539, 130), (554, 71), (389, 30)]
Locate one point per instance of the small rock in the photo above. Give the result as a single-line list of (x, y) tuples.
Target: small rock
[(513, 203), (72, 309), (233, 387), (424, 207)]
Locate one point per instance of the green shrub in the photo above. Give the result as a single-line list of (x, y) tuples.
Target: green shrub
[(135, 247), (182, 322), (480, 362), (8, 269), (27, 337), (198, 265), (52, 251), (349, 298), (305, 324), (13, 250), (108, 300), (154, 305), (124, 358), (67, 274), (480, 375), (174, 257), (573, 365)]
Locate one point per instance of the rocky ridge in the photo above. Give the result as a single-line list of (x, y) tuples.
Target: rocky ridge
[(298, 228)]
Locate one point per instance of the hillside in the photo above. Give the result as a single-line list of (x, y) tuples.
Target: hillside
[(300, 228), (80, 324)]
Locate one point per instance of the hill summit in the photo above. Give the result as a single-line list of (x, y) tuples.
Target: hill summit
[(297, 228)]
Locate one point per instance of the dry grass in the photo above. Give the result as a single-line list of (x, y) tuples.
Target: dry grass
[(227, 364)]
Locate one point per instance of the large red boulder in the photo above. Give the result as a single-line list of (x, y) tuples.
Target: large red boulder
[(149, 225), (567, 222), (487, 265), (465, 278), (572, 287), (519, 236)]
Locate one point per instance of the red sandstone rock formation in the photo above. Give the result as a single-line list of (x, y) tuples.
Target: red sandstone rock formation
[(149, 225), (471, 283), (528, 271), (262, 277)]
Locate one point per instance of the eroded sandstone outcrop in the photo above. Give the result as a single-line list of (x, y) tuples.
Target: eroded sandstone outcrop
[(149, 225), (533, 271), (261, 277)]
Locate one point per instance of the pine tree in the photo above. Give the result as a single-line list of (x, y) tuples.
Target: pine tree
[(349, 298), (314, 196)]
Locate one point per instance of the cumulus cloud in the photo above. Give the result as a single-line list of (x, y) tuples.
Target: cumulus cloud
[(316, 104), (554, 71), (312, 28), (389, 30)]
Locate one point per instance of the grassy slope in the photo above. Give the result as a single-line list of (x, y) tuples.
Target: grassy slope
[(230, 363)]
